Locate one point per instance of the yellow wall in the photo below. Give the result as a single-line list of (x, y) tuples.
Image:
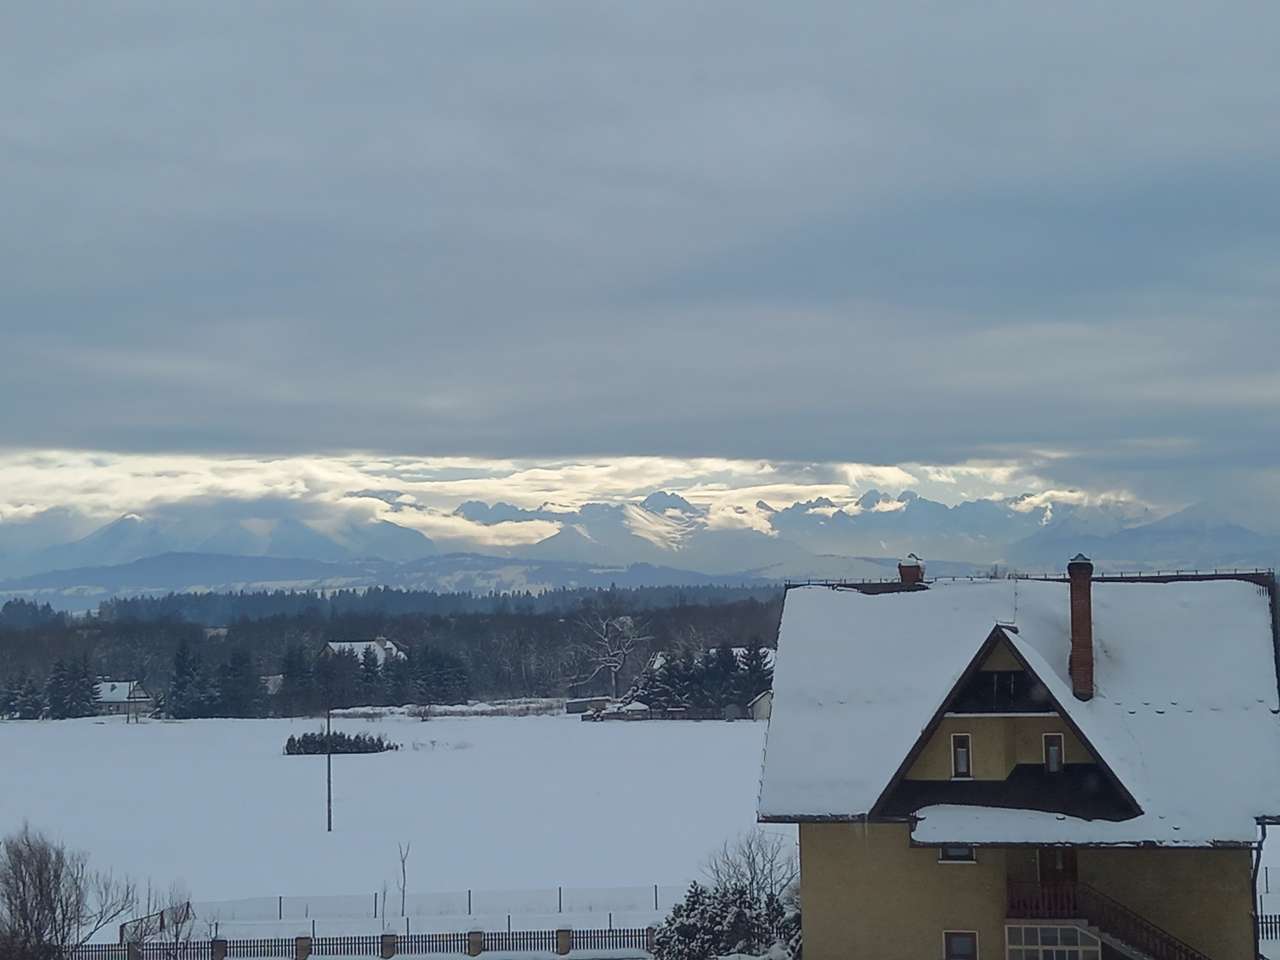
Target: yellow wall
[(997, 744), (868, 895), (1204, 897), (1001, 658)]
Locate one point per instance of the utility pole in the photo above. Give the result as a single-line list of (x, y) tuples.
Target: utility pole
[(328, 761)]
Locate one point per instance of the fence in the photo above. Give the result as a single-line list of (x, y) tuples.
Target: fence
[(471, 943), (1269, 926)]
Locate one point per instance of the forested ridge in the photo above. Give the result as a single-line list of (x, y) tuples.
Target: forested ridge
[(455, 646)]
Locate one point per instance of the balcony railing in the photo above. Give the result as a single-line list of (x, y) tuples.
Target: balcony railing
[(1079, 901)]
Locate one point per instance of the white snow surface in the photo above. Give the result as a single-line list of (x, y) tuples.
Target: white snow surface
[(1184, 711), (491, 803)]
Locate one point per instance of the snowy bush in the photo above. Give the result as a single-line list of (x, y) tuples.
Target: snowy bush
[(338, 742), (720, 922), (750, 907)]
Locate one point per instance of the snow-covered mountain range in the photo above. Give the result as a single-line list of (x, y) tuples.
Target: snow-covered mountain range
[(670, 538)]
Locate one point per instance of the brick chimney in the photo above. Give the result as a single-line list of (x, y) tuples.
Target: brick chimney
[(911, 570), (1080, 663)]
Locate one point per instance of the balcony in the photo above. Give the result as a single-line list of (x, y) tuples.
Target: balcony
[(1115, 923)]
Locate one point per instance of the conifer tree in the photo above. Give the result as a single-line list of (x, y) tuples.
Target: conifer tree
[(29, 704), (371, 692), (297, 694), (55, 690)]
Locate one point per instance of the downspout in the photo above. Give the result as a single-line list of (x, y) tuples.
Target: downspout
[(1257, 867)]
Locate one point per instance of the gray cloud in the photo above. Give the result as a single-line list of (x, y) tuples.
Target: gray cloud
[(891, 233)]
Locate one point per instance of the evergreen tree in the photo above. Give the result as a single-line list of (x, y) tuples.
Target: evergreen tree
[(757, 675), (9, 696), (719, 673), (399, 680), (186, 664), (371, 692), (241, 692), (55, 690), (338, 678), (297, 694), (81, 689), (29, 703)]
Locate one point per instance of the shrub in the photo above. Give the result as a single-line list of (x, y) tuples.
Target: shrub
[(310, 744), (718, 922)]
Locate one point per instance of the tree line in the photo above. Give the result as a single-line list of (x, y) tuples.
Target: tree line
[(216, 609), (719, 677), (598, 646)]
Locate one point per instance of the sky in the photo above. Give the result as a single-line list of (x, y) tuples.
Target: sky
[(273, 240)]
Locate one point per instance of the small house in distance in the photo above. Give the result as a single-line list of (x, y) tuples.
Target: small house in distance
[(762, 706), (127, 697), (577, 705), (1074, 768), (383, 649)]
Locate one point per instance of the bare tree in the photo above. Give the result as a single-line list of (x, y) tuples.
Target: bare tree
[(609, 643), (762, 862), (51, 903), (170, 922), (403, 883)]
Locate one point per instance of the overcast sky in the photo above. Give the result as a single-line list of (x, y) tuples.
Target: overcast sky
[(831, 232)]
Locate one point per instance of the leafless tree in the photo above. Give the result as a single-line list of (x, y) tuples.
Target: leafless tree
[(403, 883), (762, 862), (609, 643), (169, 922), (51, 903)]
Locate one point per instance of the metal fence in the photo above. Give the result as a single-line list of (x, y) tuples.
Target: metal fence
[(1269, 926), (418, 944)]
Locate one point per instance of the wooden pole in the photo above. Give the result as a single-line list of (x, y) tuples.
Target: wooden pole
[(328, 764)]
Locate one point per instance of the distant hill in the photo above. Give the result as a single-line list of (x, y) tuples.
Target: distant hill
[(83, 588)]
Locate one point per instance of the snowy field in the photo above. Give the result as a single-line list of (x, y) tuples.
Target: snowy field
[(487, 803)]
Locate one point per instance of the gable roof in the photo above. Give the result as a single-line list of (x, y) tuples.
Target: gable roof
[(1185, 711), (119, 691), (1001, 633), (382, 648)]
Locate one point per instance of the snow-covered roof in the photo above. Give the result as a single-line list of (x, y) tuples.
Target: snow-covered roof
[(119, 691), (382, 648), (1184, 712)]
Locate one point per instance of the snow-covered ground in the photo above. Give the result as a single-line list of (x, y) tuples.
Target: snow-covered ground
[(487, 803)]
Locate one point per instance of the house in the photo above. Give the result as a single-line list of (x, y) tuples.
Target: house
[(761, 706), (128, 697), (1055, 769), (578, 705), (383, 649)]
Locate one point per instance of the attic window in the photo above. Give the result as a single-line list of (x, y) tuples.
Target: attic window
[(961, 757), (1053, 753), (956, 855)]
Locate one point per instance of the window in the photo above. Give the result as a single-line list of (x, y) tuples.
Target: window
[(961, 946), (1053, 753), (956, 855), (961, 757), (1051, 943)]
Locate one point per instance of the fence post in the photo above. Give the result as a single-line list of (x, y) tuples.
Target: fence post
[(475, 943), (389, 946), (218, 949), (133, 951), (564, 941), (301, 948)]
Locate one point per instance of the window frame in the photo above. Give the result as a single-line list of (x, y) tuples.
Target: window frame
[(971, 858), (1062, 751), (946, 947), (968, 775)]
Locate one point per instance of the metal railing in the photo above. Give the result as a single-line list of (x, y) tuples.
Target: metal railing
[(1079, 901)]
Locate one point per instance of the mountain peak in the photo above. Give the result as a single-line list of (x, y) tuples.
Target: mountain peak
[(660, 501)]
